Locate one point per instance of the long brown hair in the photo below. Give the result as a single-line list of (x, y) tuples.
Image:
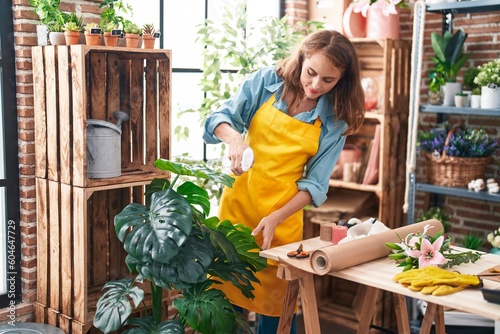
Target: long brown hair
[(347, 95)]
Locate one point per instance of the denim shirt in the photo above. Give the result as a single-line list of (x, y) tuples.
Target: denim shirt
[(239, 110)]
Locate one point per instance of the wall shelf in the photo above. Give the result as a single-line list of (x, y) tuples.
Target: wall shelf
[(461, 192), (476, 6), (459, 111)]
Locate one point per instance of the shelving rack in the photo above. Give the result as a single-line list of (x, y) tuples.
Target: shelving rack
[(447, 10)]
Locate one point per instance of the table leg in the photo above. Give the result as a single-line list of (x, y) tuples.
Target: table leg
[(433, 311), (309, 304), (401, 314), (289, 302), (367, 309)]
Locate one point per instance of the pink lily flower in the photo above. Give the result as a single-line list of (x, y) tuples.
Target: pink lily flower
[(429, 254)]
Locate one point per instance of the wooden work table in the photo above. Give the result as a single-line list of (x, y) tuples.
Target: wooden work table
[(377, 275)]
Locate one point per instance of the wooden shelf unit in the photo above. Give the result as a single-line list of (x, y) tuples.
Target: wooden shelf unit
[(387, 61), (78, 250)]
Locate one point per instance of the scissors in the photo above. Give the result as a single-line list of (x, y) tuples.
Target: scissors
[(299, 253)]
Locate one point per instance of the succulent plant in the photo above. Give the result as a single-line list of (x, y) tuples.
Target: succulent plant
[(91, 25), (148, 29), (72, 26), (132, 28)]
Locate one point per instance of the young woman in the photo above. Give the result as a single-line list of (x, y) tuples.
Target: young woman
[(295, 117)]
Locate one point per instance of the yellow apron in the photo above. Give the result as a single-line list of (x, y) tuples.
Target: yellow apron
[(282, 146)]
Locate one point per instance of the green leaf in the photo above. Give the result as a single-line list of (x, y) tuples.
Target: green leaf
[(156, 234), (148, 325), (393, 246), (114, 306)]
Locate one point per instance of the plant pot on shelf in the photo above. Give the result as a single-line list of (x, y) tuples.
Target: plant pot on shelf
[(475, 101), (435, 98), (132, 40), (450, 89), (92, 39), (148, 41), (111, 39), (461, 101), (71, 37), (490, 97), (57, 38), (379, 25)]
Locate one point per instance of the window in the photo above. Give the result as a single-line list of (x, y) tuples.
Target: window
[(10, 246), (178, 25)]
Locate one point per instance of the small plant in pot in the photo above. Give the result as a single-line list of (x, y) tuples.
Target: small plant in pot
[(111, 34), (132, 34), (488, 78), (72, 33), (461, 99), (449, 60), (93, 34), (436, 82), (173, 244), (475, 98), (148, 36)]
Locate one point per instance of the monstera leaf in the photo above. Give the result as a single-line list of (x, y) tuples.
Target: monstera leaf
[(114, 305), (208, 310), (148, 325), (156, 234)]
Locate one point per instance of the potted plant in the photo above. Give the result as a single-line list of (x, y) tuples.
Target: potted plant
[(132, 33), (449, 60), (475, 98), (93, 34), (437, 213), (461, 99), (112, 20), (488, 78), (173, 244), (436, 82), (52, 17), (111, 34), (468, 82), (72, 33), (472, 241), (148, 36)]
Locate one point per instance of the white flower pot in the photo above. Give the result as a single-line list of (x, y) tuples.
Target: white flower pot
[(490, 97), (475, 101), (461, 101), (57, 38), (450, 89)]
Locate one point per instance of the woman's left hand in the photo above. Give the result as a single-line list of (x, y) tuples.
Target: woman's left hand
[(267, 226)]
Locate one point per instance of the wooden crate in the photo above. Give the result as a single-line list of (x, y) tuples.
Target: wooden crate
[(75, 83)]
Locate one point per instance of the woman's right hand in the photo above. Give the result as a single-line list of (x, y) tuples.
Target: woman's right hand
[(236, 146)]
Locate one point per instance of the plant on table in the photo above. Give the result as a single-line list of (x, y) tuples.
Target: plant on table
[(172, 244), (420, 250)]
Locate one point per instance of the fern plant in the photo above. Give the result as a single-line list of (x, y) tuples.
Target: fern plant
[(173, 244)]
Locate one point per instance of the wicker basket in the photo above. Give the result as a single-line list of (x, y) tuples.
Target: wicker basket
[(454, 171)]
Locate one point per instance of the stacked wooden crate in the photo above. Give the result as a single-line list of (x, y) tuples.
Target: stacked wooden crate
[(78, 250)]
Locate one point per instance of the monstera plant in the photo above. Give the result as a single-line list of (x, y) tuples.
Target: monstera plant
[(172, 243)]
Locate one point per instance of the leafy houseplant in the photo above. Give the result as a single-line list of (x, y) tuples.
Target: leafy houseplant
[(172, 244), (50, 14), (436, 81), (437, 213), (113, 12), (488, 78), (472, 241)]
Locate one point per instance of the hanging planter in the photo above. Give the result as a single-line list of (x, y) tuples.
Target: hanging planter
[(490, 97)]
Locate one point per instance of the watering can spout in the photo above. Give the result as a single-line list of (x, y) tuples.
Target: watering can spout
[(121, 116)]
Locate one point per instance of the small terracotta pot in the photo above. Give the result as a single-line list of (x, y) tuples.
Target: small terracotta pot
[(71, 37), (92, 39), (148, 41), (132, 40), (110, 40)]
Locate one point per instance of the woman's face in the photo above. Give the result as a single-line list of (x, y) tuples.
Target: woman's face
[(318, 75)]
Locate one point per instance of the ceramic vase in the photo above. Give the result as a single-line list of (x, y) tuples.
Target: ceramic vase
[(450, 89), (475, 101), (490, 97), (379, 25), (461, 101), (57, 38)]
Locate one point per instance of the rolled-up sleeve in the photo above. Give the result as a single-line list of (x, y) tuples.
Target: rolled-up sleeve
[(239, 110), (319, 167)]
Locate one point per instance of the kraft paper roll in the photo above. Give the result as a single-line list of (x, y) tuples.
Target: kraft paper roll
[(338, 257), (325, 231), (338, 233)]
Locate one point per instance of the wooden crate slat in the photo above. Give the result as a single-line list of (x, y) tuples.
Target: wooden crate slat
[(97, 89), (125, 106), (113, 84), (118, 199), (42, 234), (67, 264), (39, 113), (164, 100), (137, 123), (151, 110), (65, 121), (80, 255), (52, 113), (54, 245), (80, 87), (98, 259)]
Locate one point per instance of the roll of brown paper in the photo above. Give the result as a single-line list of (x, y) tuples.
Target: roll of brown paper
[(345, 255)]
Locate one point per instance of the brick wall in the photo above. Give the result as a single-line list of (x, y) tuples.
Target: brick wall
[(484, 34)]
